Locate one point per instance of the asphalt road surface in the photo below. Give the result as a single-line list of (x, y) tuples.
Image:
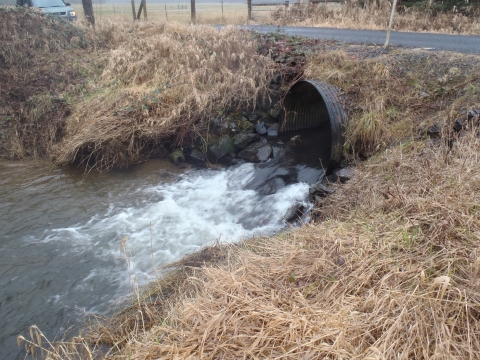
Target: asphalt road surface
[(458, 43)]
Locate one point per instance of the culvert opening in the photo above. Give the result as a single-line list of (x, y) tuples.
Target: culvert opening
[(312, 104)]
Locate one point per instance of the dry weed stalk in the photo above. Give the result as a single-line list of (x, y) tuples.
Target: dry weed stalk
[(160, 84), (390, 273)]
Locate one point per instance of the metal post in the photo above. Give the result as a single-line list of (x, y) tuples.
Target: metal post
[(249, 3), (193, 16), (133, 10), (387, 41)]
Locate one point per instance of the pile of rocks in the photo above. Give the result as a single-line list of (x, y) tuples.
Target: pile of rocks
[(243, 136)]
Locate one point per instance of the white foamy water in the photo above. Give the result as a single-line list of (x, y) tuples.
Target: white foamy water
[(198, 209)]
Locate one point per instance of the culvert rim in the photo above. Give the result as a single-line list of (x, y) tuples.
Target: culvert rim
[(311, 104)]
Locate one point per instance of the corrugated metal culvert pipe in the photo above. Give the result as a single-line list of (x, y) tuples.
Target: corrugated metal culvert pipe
[(312, 104)]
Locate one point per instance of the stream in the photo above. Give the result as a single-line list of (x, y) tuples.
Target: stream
[(60, 231)]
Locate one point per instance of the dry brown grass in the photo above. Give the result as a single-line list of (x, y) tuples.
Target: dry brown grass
[(35, 71), (162, 83), (374, 15)]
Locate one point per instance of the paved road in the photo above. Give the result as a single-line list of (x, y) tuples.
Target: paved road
[(458, 43)]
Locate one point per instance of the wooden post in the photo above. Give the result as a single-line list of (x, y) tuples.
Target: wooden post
[(387, 40), (222, 8), (133, 10), (140, 8), (166, 16), (88, 11), (249, 4), (193, 15), (145, 9)]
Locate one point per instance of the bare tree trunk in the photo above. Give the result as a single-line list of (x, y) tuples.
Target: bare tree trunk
[(88, 10)]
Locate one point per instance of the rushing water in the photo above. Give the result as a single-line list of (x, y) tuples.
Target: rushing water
[(60, 232)]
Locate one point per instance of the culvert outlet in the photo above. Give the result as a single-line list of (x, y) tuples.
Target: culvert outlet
[(312, 104)]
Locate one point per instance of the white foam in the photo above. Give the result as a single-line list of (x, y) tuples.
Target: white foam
[(197, 210)]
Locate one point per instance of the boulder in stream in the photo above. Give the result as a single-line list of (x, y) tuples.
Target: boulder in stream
[(197, 156), (177, 157), (256, 152)]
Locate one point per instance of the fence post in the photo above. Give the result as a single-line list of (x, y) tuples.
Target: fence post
[(387, 40), (249, 4), (145, 9), (193, 15), (133, 10)]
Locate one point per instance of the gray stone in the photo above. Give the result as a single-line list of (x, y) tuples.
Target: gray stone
[(294, 213), (320, 190), (256, 152), (261, 129), (246, 125), (197, 155), (344, 174), (242, 140), (252, 117), (278, 151), (177, 157), (275, 110), (273, 129), (221, 148), (433, 131), (473, 114)]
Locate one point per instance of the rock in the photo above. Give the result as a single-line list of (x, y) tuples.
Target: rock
[(271, 186), (267, 103), (273, 129), (320, 190), (297, 142), (242, 140), (260, 128), (433, 131), (424, 94), (278, 151), (221, 148), (246, 125), (256, 152), (252, 117), (294, 213), (165, 174), (344, 174), (473, 114), (277, 79), (275, 110), (458, 126), (177, 157), (197, 156)]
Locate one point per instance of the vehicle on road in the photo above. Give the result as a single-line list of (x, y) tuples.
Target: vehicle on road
[(53, 7)]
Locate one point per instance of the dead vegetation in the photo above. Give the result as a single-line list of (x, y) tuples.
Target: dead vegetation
[(35, 69), (162, 83), (374, 15), (116, 95)]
